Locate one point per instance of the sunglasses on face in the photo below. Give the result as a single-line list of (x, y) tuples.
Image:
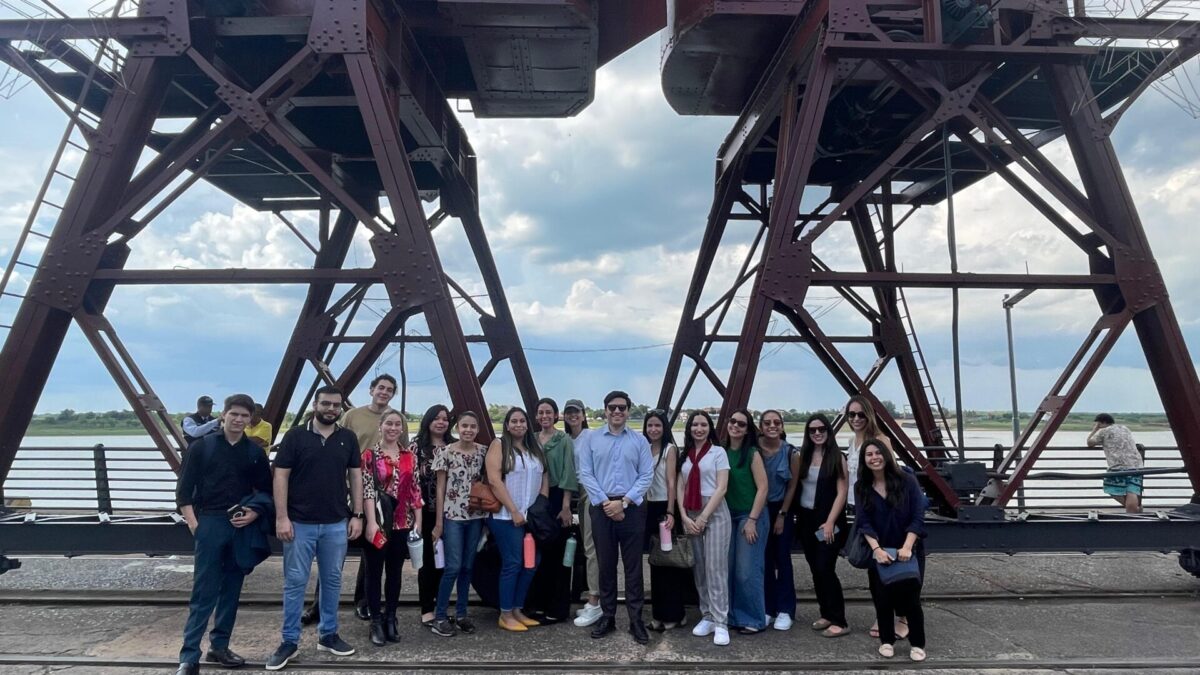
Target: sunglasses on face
[(855, 414), (817, 430), (741, 424), (772, 423), (617, 407)]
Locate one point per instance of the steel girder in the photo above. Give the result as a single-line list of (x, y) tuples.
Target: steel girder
[(825, 48), (405, 119)]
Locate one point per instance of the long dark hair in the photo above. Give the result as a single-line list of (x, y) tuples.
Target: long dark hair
[(750, 441), (668, 438), (689, 443), (831, 459), (424, 440), (508, 443), (553, 406), (897, 486)]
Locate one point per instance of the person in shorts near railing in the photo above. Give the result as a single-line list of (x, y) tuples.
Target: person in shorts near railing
[(218, 479), (1122, 454)]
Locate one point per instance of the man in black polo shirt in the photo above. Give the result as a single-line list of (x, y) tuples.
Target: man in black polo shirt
[(222, 471), (312, 467)]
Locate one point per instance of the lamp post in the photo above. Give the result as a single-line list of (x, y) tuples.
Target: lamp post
[(1008, 304)]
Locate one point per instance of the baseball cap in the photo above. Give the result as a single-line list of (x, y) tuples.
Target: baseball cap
[(574, 403), (204, 400)]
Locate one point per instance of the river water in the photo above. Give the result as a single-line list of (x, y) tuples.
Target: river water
[(52, 473)]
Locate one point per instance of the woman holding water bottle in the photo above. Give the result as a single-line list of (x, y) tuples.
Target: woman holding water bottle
[(668, 585), (516, 471), (392, 505), (550, 592), (457, 526)]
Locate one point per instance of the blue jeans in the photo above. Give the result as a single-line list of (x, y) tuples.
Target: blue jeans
[(327, 543), (780, 585), (216, 584), (514, 578), (460, 538), (747, 605)]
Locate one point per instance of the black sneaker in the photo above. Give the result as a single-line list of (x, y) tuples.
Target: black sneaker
[(443, 627), (285, 652), (334, 645), (465, 625)]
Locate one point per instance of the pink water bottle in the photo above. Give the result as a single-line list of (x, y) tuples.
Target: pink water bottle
[(439, 555), (664, 536), (530, 552)]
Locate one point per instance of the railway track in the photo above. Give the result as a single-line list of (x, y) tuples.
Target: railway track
[(92, 598), (706, 666)]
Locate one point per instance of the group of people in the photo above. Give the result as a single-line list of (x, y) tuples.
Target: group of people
[(719, 513)]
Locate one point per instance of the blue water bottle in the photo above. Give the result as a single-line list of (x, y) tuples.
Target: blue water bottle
[(569, 552)]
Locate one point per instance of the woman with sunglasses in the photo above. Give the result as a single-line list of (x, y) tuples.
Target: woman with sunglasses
[(747, 501), (575, 423), (780, 461), (668, 585), (890, 513), (701, 491), (550, 593), (516, 471), (824, 485), (860, 416)]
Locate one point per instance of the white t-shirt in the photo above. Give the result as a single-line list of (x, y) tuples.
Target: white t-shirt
[(713, 461), (658, 486), (523, 484), (852, 453)]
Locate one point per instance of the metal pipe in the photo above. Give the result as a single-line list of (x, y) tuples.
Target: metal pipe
[(953, 245)]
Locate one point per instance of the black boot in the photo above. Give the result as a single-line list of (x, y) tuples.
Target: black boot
[(378, 635), (391, 629)]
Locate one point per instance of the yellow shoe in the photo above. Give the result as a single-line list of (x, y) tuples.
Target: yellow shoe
[(530, 622), (516, 626)]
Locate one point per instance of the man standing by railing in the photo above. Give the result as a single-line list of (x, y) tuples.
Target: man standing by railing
[(219, 479), (1122, 455)]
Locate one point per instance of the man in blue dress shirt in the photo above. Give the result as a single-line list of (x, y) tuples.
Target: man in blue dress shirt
[(616, 468)]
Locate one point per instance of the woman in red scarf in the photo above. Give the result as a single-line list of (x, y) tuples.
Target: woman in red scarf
[(706, 518), (388, 469)]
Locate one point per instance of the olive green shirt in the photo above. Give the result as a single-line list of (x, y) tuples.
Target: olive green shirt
[(560, 462), (741, 492)]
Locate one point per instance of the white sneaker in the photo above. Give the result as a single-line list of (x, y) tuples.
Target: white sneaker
[(705, 627), (769, 619), (589, 615), (721, 636), (783, 622)]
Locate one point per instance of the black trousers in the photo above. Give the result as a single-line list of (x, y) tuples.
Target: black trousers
[(669, 586), (624, 539), (429, 577), (902, 598), (383, 573), (550, 590), (822, 562)]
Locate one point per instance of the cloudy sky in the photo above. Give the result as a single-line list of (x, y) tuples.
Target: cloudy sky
[(595, 222)]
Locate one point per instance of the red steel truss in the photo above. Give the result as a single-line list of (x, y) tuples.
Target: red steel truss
[(294, 105), (990, 95)]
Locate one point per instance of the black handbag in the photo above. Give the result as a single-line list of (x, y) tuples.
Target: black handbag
[(540, 522), (858, 554), (680, 556)]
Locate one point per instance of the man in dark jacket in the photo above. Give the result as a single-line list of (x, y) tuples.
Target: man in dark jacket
[(220, 478)]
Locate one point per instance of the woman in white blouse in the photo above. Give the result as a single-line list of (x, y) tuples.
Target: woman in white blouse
[(701, 492)]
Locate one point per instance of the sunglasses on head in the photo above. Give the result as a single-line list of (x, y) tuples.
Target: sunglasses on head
[(738, 423), (817, 430), (854, 413), (617, 407)]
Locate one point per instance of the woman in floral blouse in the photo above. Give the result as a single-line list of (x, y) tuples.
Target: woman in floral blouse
[(432, 435), (388, 469), (457, 525)]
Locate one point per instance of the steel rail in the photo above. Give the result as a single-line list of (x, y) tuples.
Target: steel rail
[(641, 665), (53, 597)]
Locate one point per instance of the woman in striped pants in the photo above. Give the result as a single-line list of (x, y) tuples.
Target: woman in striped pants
[(706, 518)]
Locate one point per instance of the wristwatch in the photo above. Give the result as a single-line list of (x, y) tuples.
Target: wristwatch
[(359, 515), (624, 503)]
